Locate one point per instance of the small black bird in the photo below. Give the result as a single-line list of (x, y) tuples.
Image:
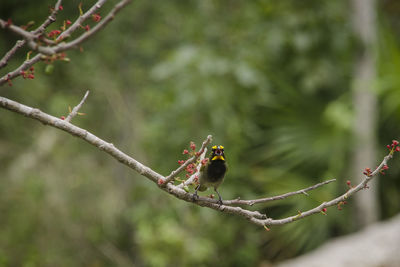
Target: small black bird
[(212, 174)]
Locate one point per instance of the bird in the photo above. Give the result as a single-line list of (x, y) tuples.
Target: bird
[(213, 172)]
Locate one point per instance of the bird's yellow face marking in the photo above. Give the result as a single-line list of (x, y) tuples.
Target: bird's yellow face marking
[(217, 153), (218, 157)]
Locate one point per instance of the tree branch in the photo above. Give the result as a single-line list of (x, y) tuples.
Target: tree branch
[(39, 30), (279, 197), (81, 133), (362, 185), (165, 183), (75, 110), (11, 52), (193, 159), (78, 22), (178, 191), (16, 29), (31, 37), (50, 19), (25, 65), (191, 179), (51, 50), (110, 149)]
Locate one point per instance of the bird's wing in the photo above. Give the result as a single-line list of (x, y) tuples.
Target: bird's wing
[(202, 168)]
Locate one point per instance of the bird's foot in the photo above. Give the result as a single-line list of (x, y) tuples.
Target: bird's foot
[(195, 197), (219, 196)]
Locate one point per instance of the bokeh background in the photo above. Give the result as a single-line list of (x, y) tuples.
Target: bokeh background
[(273, 81)]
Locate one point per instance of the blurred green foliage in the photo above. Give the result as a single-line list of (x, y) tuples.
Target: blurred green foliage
[(270, 80)]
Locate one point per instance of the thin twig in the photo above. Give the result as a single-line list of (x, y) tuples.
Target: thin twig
[(191, 179), (279, 197), (50, 19), (75, 110), (51, 50), (11, 52), (334, 202), (25, 65), (78, 22), (16, 29)]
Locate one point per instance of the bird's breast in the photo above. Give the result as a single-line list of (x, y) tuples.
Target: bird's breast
[(216, 170)]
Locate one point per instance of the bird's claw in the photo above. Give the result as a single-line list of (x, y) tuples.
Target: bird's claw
[(195, 197)]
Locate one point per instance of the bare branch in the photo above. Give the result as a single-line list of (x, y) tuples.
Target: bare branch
[(78, 23), (39, 30), (253, 216), (50, 19), (182, 194), (81, 133), (18, 30), (164, 183), (120, 156), (51, 50), (279, 197), (23, 66), (334, 202), (11, 52), (34, 34), (75, 110)]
